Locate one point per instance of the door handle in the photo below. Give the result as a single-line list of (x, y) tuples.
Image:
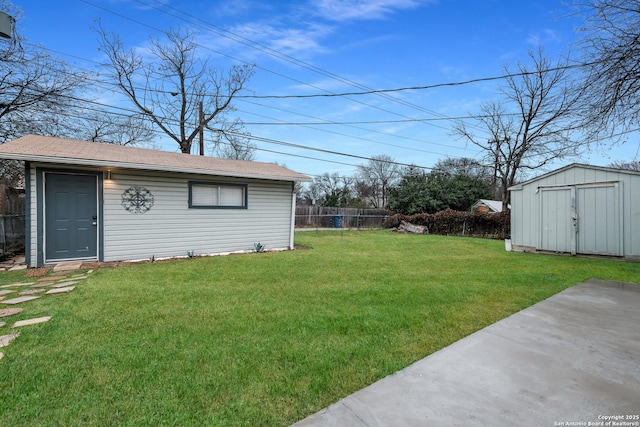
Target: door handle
[(94, 223)]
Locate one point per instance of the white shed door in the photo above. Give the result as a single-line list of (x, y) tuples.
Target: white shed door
[(598, 220), (557, 228)]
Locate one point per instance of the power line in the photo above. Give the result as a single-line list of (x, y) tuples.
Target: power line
[(380, 90), (252, 137), (310, 125), (260, 67), (425, 87), (283, 56), (136, 112), (359, 128), (373, 91)]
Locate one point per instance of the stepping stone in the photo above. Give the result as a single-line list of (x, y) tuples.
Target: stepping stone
[(78, 277), (42, 285), (2, 324), (65, 284), (5, 340), (31, 321), (58, 273), (1, 355), (6, 291), (31, 291), (6, 312), (60, 290), (18, 300), (68, 266), (18, 267), (17, 284)]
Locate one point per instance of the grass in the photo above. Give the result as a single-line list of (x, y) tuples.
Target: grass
[(264, 339)]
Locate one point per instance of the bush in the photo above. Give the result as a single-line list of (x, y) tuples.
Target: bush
[(458, 223)]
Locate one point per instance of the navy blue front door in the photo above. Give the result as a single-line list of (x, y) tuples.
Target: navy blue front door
[(71, 216)]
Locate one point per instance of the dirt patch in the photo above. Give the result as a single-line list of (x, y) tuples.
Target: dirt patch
[(302, 247), (37, 272), (107, 264)]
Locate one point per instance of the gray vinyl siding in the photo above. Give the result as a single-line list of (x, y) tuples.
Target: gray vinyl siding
[(608, 205), (170, 228)]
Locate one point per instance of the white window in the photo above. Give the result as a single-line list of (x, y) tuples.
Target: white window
[(212, 195)]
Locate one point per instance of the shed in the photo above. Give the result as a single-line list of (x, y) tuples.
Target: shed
[(103, 202), (578, 209), (487, 206)]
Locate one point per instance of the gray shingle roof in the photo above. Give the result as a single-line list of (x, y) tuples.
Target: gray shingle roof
[(47, 149)]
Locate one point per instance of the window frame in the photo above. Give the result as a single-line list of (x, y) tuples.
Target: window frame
[(218, 184)]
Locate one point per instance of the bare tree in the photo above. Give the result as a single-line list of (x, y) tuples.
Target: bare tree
[(534, 130), (35, 89), (611, 47), (629, 166), (463, 166), (310, 194), (377, 176), (176, 89), (101, 126), (331, 190), (236, 144), (469, 167)]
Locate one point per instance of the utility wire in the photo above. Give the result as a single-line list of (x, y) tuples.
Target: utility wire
[(362, 129), (280, 55), (376, 91), (310, 125), (245, 62), (425, 87)]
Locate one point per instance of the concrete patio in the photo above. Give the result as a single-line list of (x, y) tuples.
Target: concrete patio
[(573, 358)]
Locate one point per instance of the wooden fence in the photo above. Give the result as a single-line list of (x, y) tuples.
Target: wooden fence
[(323, 217), (12, 221)]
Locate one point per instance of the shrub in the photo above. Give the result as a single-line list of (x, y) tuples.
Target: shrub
[(458, 223)]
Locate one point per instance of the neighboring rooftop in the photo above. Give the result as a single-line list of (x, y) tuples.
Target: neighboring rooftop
[(47, 149), (493, 205)]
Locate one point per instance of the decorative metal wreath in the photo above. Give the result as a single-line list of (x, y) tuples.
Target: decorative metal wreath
[(137, 199)]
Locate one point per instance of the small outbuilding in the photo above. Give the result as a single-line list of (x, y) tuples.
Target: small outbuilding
[(578, 209), (487, 206), (103, 202)]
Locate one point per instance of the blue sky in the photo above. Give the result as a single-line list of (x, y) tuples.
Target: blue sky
[(337, 46)]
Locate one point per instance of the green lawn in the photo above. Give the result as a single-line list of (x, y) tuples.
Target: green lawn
[(264, 339)]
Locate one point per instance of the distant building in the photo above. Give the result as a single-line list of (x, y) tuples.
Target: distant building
[(487, 206)]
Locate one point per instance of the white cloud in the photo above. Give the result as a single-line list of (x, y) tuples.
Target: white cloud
[(285, 39), (234, 7), (343, 10), (543, 37)]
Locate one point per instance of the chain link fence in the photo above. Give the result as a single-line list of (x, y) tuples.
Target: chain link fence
[(351, 218)]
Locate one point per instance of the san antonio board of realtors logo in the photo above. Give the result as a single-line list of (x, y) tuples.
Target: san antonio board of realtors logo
[(137, 199)]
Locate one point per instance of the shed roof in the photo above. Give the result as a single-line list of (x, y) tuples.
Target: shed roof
[(47, 149), (494, 205), (571, 166)]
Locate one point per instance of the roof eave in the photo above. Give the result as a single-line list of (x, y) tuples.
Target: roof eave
[(139, 166)]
